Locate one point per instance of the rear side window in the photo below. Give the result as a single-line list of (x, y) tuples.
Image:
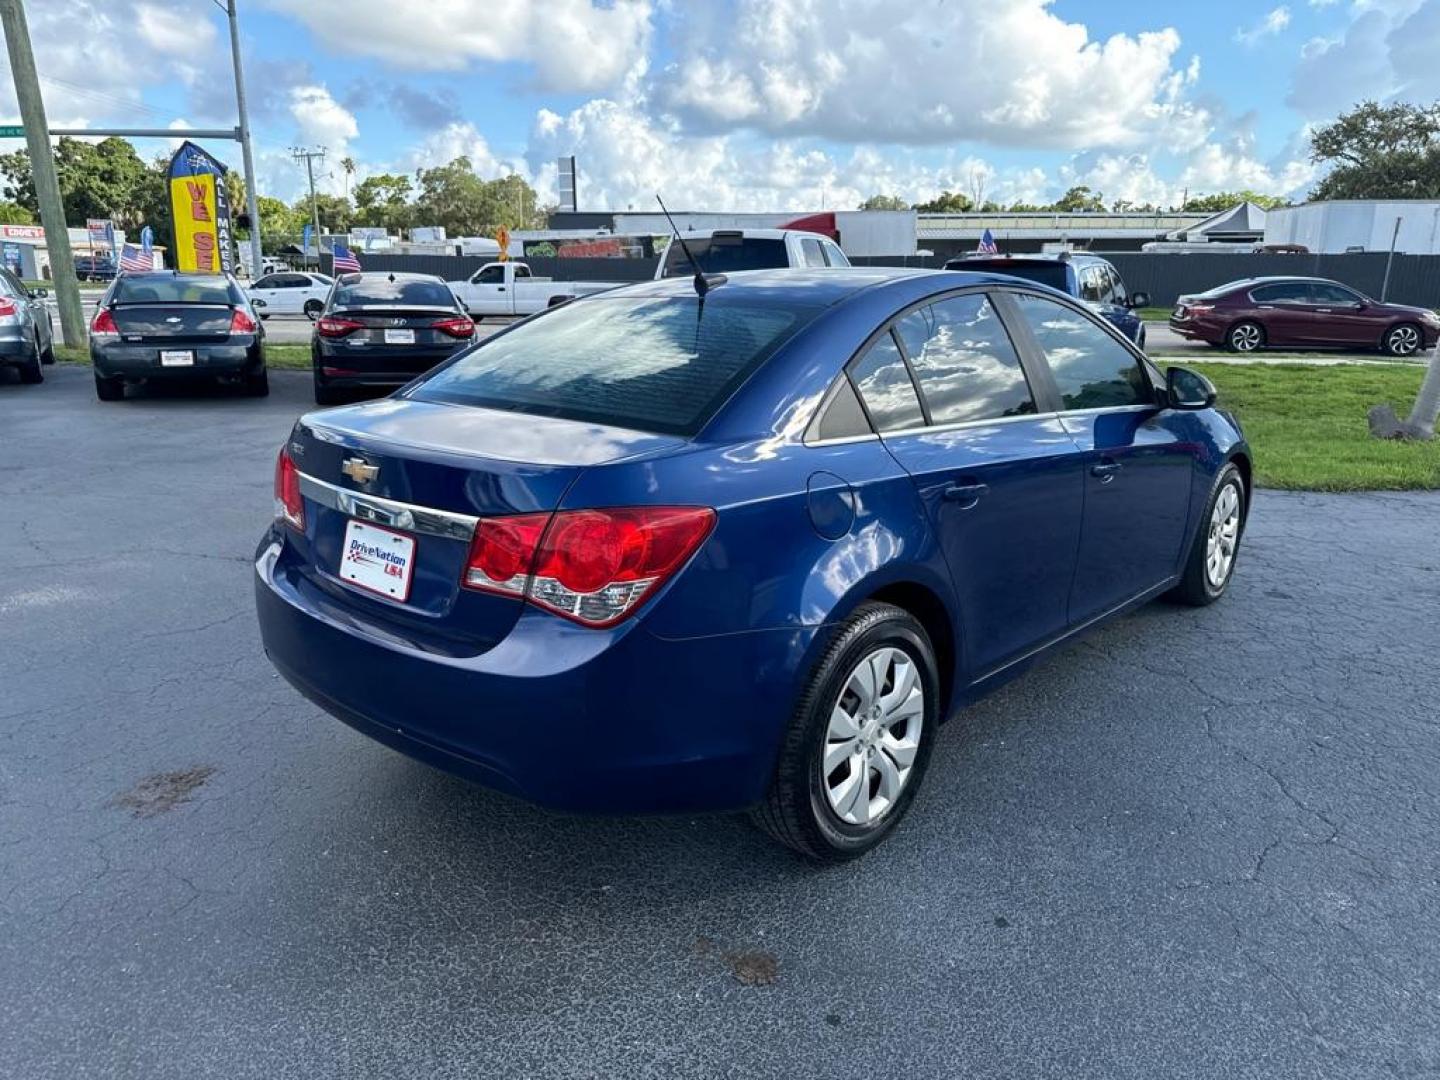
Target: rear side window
[(724, 254), (648, 363), (963, 358), (175, 289), (833, 255), (402, 292), (812, 253), (886, 388), (1092, 370)]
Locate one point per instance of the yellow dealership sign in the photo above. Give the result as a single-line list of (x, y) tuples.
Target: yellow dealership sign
[(201, 211)]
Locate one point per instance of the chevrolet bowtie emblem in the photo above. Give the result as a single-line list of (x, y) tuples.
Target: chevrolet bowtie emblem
[(359, 470)]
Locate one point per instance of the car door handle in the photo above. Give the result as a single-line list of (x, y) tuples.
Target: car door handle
[(1105, 470), (500, 288), (967, 495)]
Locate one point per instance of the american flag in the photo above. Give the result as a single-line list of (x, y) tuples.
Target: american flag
[(987, 244), (132, 258), (345, 260)]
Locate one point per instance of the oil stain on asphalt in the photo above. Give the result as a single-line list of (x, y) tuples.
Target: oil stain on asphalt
[(163, 791)]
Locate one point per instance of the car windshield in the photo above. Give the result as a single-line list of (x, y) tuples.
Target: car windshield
[(1052, 274), (648, 363), (725, 254), (392, 292), (175, 289)]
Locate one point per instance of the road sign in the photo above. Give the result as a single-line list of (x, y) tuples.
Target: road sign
[(11, 131)]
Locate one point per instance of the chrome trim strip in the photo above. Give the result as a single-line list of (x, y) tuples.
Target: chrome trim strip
[(841, 440), (389, 512), (957, 425)]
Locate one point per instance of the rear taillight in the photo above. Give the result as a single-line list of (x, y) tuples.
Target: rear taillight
[(1199, 309), (8, 309), (103, 325), (592, 566), (241, 323), (457, 327), (289, 506), (330, 326)]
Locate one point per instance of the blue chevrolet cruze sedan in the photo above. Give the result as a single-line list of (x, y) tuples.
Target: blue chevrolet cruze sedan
[(741, 543)]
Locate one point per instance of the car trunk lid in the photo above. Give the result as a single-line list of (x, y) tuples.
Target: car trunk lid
[(173, 322)]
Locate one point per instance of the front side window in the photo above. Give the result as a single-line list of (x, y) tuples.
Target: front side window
[(1287, 292), (1323, 293), (1092, 370), (964, 361), (1117, 287), (886, 388), (810, 251), (491, 275)]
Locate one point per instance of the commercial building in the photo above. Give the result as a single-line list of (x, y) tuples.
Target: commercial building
[(1336, 226)]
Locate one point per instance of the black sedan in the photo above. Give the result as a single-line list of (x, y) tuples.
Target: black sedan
[(168, 325), (382, 330)]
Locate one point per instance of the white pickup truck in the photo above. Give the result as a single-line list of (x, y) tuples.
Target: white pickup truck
[(508, 288)]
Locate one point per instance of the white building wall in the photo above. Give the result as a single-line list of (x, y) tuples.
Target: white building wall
[(1335, 227)]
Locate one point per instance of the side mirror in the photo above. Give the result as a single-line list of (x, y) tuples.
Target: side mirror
[(1139, 299), (255, 301), (1186, 389)]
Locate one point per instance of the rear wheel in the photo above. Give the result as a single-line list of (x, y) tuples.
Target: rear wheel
[(1217, 542), (859, 740), (257, 384), (47, 354), (1245, 337), (109, 389), (313, 309), (30, 367), (325, 394), (1402, 340)]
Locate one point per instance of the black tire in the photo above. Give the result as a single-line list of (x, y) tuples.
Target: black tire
[(262, 315), (1196, 588), (47, 354), (30, 372), (257, 384), (796, 810), (312, 309), (1239, 338), (109, 389), (325, 394), (1404, 339)]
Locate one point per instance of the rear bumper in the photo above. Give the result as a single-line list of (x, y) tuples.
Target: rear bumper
[(14, 348), (143, 361), (618, 721), (1196, 330), (376, 367)]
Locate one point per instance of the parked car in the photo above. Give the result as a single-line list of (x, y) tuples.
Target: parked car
[(724, 251), (95, 268), (648, 552), (164, 324), (509, 288), (290, 293), (1255, 313), (27, 335), (382, 329), (1087, 277)]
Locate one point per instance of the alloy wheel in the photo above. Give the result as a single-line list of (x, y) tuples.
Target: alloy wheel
[(873, 736), (1403, 341), (1224, 536), (1245, 338)]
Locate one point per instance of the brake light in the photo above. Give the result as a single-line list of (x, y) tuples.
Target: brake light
[(1199, 309), (241, 322), (592, 566), (457, 327), (103, 325), (8, 308), (289, 506), (330, 326)]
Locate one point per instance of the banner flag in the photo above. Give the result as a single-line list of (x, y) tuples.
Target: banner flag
[(201, 211)]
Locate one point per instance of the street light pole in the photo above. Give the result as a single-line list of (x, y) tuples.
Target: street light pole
[(251, 200), (42, 168)]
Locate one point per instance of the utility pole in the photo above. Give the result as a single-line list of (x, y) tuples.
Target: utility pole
[(309, 156), (251, 203), (42, 167)]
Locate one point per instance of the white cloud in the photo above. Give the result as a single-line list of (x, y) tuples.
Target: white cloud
[(1387, 51), (569, 45), (175, 33), (861, 70), (1271, 24)]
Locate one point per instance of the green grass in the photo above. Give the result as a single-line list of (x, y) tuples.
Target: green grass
[(288, 357), (1154, 314), (1307, 425)]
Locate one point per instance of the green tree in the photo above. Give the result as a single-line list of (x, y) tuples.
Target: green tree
[(347, 165), (884, 202), (336, 213), (453, 196), (1380, 152), (948, 202), (383, 201), (1224, 200), (1079, 198), (15, 214)]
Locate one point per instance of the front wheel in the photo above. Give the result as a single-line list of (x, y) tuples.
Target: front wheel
[(1403, 340), (313, 309), (1245, 337), (858, 743), (1217, 542)]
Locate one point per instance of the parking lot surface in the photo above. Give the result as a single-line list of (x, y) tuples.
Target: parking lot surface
[(1200, 843)]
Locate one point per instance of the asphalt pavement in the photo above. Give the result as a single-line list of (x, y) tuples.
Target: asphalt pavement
[(1196, 844)]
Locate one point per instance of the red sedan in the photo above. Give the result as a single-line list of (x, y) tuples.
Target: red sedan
[(1256, 313)]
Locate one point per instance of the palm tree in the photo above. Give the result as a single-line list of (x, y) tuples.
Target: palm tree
[(348, 164)]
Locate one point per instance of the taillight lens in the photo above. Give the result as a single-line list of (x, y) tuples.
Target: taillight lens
[(330, 326), (289, 506), (592, 566), (458, 327), (241, 322), (8, 308), (1199, 309), (103, 325)]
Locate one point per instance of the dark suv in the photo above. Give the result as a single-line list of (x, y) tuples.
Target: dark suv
[(1085, 277), (1252, 313)]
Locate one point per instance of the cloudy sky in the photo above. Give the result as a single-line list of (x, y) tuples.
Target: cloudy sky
[(754, 104)]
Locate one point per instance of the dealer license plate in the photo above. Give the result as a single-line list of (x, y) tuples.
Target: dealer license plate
[(379, 560), (177, 358), (399, 337)]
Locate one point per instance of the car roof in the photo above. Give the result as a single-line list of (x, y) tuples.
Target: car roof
[(754, 234), (1033, 258), (385, 275)]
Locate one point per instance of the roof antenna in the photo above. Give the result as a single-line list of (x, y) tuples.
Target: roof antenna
[(703, 283)]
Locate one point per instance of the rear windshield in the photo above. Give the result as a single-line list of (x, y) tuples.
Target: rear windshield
[(175, 290), (647, 363), (724, 254), (402, 292), (1052, 274)]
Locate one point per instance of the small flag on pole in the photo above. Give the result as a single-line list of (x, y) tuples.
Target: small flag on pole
[(133, 259), (987, 244), (345, 260), (147, 239)]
